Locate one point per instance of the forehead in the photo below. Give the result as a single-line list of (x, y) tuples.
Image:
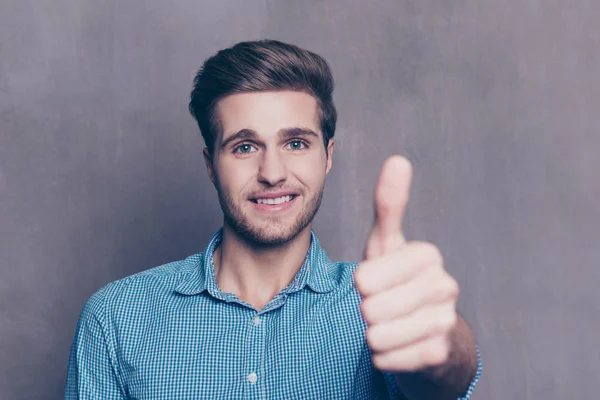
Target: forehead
[(267, 112)]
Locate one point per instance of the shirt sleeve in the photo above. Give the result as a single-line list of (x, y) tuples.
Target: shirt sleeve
[(396, 393), (91, 373)]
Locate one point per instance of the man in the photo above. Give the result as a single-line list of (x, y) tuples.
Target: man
[(262, 313)]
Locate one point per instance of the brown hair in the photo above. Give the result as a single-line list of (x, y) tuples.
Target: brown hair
[(258, 66)]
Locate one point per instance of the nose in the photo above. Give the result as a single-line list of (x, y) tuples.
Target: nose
[(272, 169)]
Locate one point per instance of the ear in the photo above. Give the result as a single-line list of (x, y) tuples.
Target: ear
[(209, 165), (329, 155)]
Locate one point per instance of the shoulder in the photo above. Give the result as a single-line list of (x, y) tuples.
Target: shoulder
[(136, 292), (342, 274), (345, 269)]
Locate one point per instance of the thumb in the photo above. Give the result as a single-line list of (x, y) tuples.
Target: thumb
[(391, 197)]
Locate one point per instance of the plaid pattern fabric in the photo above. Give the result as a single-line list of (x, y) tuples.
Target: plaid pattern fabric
[(170, 333)]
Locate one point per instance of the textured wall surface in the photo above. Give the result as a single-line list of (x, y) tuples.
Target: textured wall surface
[(497, 104)]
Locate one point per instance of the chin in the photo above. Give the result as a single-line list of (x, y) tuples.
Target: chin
[(266, 233), (271, 236)]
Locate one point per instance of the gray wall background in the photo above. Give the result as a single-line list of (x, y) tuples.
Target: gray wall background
[(496, 103)]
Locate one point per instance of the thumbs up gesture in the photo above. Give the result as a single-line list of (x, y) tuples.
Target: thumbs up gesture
[(408, 299)]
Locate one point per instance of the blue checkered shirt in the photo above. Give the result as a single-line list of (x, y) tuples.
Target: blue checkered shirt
[(170, 333)]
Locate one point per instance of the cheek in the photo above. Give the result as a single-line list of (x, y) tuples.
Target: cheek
[(311, 171), (235, 178)]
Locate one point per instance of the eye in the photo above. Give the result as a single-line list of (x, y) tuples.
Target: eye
[(244, 148), (298, 144)]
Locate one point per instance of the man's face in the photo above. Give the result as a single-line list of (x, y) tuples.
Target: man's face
[(269, 164)]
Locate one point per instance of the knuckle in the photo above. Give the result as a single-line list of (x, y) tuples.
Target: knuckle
[(448, 287), (372, 338), (440, 357), (453, 287), (444, 352), (359, 279), (367, 309), (432, 252), (379, 361), (436, 353), (443, 318), (447, 322), (435, 253), (370, 249)]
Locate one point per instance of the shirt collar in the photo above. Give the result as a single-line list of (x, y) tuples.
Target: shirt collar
[(317, 271)]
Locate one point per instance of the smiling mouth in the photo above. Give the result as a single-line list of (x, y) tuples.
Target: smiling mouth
[(276, 200)]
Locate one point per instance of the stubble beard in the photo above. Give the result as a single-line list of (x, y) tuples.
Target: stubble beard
[(272, 231)]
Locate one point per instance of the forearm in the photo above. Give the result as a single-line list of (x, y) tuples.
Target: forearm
[(449, 380)]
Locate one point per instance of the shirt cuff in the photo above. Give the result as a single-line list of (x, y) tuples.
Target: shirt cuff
[(395, 392), (467, 395)]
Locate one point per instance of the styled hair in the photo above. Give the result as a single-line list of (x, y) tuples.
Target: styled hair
[(259, 66)]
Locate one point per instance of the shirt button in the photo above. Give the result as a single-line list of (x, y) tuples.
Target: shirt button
[(256, 320), (252, 377)]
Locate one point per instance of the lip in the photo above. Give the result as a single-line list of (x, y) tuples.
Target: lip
[(274, 195), (274, 208)]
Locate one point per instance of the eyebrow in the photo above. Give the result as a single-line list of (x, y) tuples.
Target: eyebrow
[(284, 133)]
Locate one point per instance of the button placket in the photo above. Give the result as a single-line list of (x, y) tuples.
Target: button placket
[(252, 377), (255, 350)]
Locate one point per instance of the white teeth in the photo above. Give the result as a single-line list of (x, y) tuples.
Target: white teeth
[(277, 200)]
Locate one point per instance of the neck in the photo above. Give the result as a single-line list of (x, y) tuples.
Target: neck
[(255, 274)]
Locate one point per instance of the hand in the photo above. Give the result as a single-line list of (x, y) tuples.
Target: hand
[(408, 299)]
